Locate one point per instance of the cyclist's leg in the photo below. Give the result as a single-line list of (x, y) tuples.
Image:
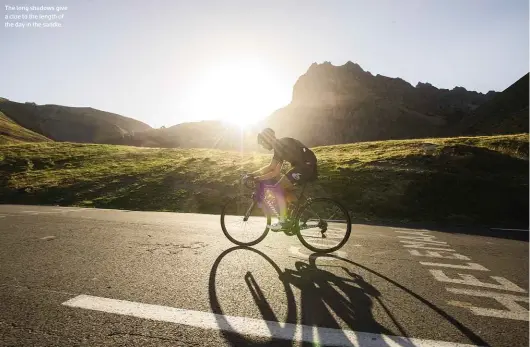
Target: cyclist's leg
[(285, 195), (298, 175), (295, 176)]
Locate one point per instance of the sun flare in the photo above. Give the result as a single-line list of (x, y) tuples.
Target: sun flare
[(237, 93)]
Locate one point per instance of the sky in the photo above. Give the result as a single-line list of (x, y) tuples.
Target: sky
[(168, 62)]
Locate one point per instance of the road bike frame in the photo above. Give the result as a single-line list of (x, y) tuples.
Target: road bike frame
[(305, 209), (258, 196)]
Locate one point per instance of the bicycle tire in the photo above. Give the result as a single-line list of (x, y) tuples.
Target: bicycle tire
[(326, 250), (227, 233)]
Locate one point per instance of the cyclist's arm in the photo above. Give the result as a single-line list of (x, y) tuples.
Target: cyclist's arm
[(274, 170), (266, 169), (261, 171)]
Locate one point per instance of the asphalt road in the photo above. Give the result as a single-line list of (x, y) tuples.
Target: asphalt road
[(89, 277)]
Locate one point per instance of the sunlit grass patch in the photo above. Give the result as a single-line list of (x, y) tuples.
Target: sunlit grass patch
[(476, 179)]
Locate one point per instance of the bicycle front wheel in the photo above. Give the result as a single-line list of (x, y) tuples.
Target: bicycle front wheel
[(243, 222), (324, 225)]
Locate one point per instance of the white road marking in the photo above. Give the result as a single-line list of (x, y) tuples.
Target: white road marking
[(423, 242), (430, 248), (422, 239), (471, 280), (515, 311), (52, 211), (509, 229), (250, 326), (40, 212), (438, 255), (51, 237), (469, 266)]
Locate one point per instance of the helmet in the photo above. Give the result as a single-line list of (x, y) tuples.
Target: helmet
[(265, 138)]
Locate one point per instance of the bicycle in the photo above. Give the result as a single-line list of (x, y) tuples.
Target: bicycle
[(305, 216)]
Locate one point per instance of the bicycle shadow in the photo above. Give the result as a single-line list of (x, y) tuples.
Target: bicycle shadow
[(285, 331), (329, 303), (474, 338), (325, 300)]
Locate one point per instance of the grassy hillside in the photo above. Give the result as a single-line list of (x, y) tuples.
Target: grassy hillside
[(475, 180), (72, 124), (11, 132)]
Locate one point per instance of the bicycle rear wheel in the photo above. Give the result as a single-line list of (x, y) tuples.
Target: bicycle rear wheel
[(324, 225), (240, 231)]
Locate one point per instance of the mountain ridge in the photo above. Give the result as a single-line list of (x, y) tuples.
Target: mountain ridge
[(329, 105), (69, 123), (342, 104)]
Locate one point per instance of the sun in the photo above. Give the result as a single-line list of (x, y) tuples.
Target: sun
[(240, 93)]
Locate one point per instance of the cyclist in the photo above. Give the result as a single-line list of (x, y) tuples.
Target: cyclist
[(303, 169)]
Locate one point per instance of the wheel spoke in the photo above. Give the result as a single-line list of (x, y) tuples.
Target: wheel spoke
[(314, 213), (324, 234), (333, 215), (239, 231)]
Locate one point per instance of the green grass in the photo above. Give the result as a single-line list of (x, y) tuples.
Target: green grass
[(11, 132), (472, 180)]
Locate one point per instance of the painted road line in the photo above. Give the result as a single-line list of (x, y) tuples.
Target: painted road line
[(34, 213), (509, 229), (47, 238), (52, 211), (250, 326), (513, 310)]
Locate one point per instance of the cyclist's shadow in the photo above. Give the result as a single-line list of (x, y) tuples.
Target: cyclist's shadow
[(325, 299), (325, 296)]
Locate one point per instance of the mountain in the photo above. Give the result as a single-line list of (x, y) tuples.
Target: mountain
[(330, 105), (202, 134), (506, 113), (335, 105), (344, 104), (71, 124), (11, 132)]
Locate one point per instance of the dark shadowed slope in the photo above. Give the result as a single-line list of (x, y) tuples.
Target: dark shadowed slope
[(506, 113), (11, 132), (73, 124)]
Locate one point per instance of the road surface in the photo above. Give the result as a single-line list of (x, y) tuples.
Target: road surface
[(91, 277)]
